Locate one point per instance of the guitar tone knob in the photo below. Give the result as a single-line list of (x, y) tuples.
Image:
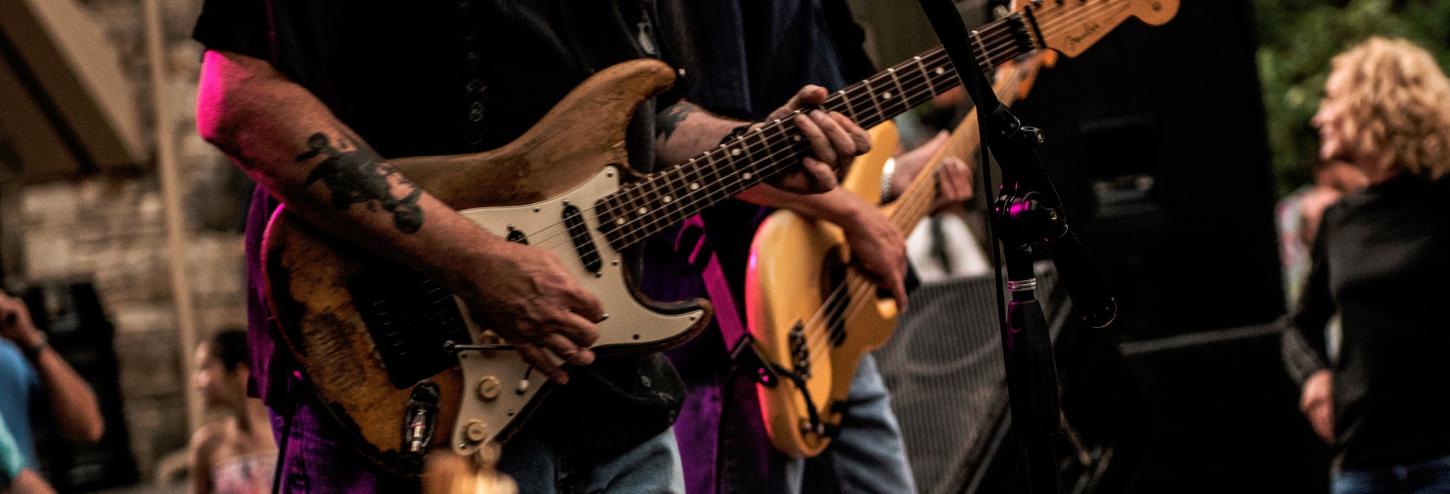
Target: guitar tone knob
[(476, 431), (488, 388)]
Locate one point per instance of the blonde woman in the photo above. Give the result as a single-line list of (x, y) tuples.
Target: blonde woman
[(1382, 261)]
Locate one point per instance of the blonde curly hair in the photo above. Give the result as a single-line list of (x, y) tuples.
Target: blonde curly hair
[(1397, 105)]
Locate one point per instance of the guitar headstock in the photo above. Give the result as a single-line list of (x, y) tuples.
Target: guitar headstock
[(1071, 26), (1014, 79)]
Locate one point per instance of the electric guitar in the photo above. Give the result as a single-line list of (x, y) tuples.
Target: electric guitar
[(398, 364), (810, 315)]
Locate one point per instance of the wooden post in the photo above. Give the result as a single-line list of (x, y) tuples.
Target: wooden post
[(165, 154)]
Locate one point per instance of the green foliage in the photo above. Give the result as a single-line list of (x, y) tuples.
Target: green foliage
[(1297, 40)]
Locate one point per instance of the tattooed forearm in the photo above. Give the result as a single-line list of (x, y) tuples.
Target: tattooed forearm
[(355, 174), (670, 119)]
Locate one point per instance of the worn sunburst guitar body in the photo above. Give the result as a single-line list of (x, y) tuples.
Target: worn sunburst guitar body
[(373, 338), (810, 314)]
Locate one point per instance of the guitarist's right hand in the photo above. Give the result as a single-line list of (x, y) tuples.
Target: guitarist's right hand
[(525, 295)]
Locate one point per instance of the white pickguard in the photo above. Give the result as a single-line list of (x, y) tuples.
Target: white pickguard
[(629, 321)]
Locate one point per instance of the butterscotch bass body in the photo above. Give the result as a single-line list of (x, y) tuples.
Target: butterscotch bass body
[(806, 271), (392, 355)]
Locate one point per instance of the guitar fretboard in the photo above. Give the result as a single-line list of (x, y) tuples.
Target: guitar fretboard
[(642, 209)]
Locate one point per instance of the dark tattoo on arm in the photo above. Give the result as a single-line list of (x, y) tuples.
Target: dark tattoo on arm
[(355, 174), (670, 119)]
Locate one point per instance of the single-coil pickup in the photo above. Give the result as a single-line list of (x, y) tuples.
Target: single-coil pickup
[(517, 236), (583, 242)]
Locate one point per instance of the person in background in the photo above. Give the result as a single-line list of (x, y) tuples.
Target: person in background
[(29, 369), (1380, 260), (235, 454)]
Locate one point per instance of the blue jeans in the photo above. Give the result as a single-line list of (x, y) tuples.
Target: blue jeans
[(868, 456), (318, 459), (652, 467), (1430, 477)]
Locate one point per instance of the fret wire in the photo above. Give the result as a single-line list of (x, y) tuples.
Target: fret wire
[(896, 79), (846, 102), (871, 93)]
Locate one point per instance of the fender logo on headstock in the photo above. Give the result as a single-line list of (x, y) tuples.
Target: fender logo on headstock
[(1088, 30)]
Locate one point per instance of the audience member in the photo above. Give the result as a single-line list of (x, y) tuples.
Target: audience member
[(30, 368), (234, 454), (1379, 261)]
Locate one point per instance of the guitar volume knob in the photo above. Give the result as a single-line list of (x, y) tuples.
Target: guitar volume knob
[(488, 388)]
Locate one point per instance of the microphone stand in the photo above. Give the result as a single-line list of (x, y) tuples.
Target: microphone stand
[(1027, 212)]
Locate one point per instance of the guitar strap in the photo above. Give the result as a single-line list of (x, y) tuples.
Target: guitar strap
[(703, 257)]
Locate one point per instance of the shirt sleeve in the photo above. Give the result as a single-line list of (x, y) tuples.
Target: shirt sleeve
[(241, 26), (1304, 346), (12, 460)]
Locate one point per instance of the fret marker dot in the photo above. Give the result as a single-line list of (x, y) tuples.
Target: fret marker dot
[(795, 138), (619, 221), (735, 152), (940, 71), (746, 175), (886, 95), (694, 186), (667, 199), (643, 210)]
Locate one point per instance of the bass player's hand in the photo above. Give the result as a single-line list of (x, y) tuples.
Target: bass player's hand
[(835, 139), (525, 295), (879, 249)]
